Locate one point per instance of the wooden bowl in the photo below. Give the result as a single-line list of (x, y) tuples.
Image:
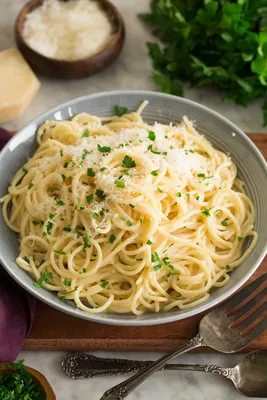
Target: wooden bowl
[(72, 69), (38, 378)]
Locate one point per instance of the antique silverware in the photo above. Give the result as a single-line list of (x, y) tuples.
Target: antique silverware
[(249, 375), (228, 329)]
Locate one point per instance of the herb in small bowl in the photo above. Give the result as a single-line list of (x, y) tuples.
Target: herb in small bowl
[(18, 382)]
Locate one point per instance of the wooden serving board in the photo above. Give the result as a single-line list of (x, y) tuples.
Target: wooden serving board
[(53, 330)]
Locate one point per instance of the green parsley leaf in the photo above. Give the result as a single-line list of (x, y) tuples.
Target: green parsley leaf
[(206, 212), (155, 257), (152, 136), (84, 270), (150, 148), (159, 190), (36, 222), (188, 196), (201, 175), (239, 238), (120, 183), (104, 149), (84, 154), (49, 226), (90, 172), (103, 169), (197, 198), (52, 216), (30, 185), (120, 110), (104, 284), (128, 162), (86, 242), (67, 282), (61, 252), (179, 194), (228, 267), (60, 203), (149, 242), (66, 165), (95, 215), (61, 153), (112, 238), (67, 228), (129, 223), (154, 173), (89, 198), (45, 277), (224, 222), (132, 205), (41, 262), (100, 194), (165, 278), (85, 133), (63, 299), (157, 267), (63, 178), (24, 170)]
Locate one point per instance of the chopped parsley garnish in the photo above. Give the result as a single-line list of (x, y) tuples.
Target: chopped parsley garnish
[(45, 277), (120, 183), (120, 110), (85, 154), (228, 266), (151, 136), (197, 198), (67, 228), (61, 153), (132, 205), (103, 169), (86, 242), (59, 252), (239, 238), (206, 212), (36, 222), (90, 172), (30, 185), (95, 215), (153, 151), (63, 299), (89, 198), (165, 278), (201, 175), (154, 173), (84, 270), (81, 206), (26, 259), (112, 239), (104, 149), (52, 190), (128, 162), (188, 196), (66, 165), (191, 151), (100, 194), (102, 213), (224, 222), (85, 133), (179, 194), (139, 259), (129, 223), (52, 216), (73, 164), (157, 267), (24, 170), (149, 242), (104, 284), (155, 257), (63, 178), (67, 282), (42, 262), (159, 190), (60, 203), (49, 226)]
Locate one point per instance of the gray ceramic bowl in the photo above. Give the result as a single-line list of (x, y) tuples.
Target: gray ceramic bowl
[(162, 108)]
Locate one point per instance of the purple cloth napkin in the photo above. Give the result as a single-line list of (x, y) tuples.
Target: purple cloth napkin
[(16, 305)]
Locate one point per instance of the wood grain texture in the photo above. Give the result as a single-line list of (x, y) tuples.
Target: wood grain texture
[(53, 330)]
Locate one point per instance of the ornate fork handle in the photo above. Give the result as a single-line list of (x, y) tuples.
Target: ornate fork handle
[(122, 390)]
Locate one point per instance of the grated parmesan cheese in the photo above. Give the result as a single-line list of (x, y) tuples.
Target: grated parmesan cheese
[(70, 30)]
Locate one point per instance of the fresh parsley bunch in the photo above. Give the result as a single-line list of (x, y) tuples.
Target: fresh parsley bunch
[(223, 43)]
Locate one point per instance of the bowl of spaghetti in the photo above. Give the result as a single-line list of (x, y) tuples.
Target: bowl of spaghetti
[(132, 208)]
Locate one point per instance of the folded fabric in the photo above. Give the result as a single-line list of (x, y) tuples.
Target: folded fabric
[(16, 305)]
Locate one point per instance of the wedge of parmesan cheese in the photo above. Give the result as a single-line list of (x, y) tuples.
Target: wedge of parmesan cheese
[(18, 85)]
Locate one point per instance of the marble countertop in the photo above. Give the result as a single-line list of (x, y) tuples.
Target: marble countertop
[(132, 71)]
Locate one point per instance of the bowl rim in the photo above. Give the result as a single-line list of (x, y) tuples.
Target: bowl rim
[(112, 42), (158, 318)]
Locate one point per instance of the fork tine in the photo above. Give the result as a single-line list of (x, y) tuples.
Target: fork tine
[(251, 318), (244, 293), (256, 331), (248, 306)]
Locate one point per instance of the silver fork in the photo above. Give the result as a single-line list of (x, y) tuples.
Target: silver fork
[(228, 328)]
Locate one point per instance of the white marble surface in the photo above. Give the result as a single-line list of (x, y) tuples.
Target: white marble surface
[(132, 71)]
